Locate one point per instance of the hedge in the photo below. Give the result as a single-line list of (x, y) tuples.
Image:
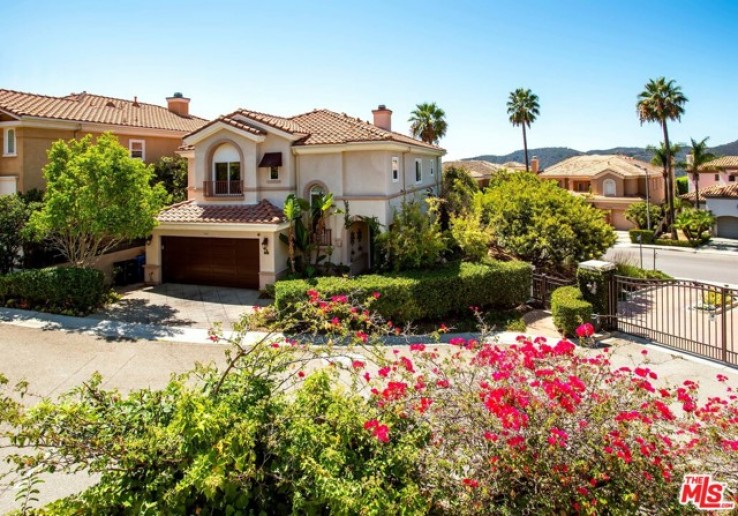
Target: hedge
[(678, 243), (66, 290), (413, 295), (646, 235), (569, 309), (631, 271)]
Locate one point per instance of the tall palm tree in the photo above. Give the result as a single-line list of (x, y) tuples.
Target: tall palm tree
[(523, 108), (428, 122), (661, 101), (699, 156)]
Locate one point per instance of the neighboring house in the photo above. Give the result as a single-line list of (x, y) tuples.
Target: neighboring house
[(30, 123), (243, 165), (722, 201), (609, 182), (718, 172), (482, 171)]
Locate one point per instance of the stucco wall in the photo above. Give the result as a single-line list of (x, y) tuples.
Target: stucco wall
[(708, 179), (722, 207)]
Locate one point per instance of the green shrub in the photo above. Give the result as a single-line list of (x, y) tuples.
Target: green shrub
[(645, 234), (68, 290), (414, 295), (631, 271), (639, 214), (676, 243), (593, 285), (569, 309)]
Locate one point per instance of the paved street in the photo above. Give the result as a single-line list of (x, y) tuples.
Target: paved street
[(721, 268)]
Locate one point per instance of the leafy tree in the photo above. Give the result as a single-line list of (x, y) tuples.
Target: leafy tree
[(414, 240), (458, 189), (471, 235), (171, 172), (428, 122), (293, 207), (523, 108), (97, 196), (695, 224), (700, 156), (636, 213), (661, 101), (543, 224), (14, 215)]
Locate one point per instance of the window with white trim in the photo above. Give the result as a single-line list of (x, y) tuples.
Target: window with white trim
[(316, 195), (395, 169), (137, 149), (227, 170), (9, 142), (274, 173), (432, 167), (418, 170), (609, 187)]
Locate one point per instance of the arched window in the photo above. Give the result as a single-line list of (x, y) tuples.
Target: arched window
[(609, 188), (315, 192), (227, 170)]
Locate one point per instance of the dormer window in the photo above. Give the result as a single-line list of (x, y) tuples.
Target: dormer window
[(9, 142), (137, 149)]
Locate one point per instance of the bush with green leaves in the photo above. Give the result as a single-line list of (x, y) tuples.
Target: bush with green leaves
[(636, 213), (695, 224), (414, 240), (171, 173), (642, 236), (569, 309), (633, 271), (458, 190), (472, 237), (64, 290), (14, 215), (538, 222), (414, 295)]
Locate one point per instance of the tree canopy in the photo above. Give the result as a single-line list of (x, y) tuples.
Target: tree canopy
[(428, 122), (96, 197)]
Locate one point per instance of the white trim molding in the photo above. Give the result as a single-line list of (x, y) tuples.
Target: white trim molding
[(6, 140), (142, 150)]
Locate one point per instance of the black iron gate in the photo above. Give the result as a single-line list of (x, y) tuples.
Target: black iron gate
[(690, 316), (542, 285)]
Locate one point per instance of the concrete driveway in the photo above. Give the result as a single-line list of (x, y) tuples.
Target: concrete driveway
[(173, 304)]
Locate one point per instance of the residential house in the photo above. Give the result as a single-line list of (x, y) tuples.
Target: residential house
[(30, 123), (243, 165), (609, 182), (482, 171), (718, 172), (722, 201)]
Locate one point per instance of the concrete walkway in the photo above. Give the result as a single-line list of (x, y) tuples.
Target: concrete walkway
[(716, 245)]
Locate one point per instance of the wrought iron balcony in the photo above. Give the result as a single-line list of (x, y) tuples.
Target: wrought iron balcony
[(222, 188)]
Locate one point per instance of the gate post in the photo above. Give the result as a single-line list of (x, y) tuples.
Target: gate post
[(597, 283)]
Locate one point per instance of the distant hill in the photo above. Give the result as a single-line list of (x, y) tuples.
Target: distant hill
[(549, 156)]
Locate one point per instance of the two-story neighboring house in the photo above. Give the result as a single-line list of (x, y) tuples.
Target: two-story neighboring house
[(243, 165), (610, 182), (30, 123), (722, 201), (721, 171)]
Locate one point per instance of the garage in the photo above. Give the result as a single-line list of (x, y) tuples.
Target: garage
[(224, 262), (727, 227)]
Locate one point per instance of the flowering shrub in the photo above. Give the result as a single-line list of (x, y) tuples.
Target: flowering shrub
[(354, 426)]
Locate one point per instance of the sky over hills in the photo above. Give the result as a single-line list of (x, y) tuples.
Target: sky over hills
[(586, 60)]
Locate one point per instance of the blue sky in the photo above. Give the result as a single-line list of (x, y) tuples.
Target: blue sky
[(586, 60)]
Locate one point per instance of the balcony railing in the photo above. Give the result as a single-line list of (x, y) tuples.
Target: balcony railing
[(223, 188)]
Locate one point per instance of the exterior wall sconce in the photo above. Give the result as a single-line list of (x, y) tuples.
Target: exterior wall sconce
[(265, 245)]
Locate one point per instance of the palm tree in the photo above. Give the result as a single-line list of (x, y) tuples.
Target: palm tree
[(428, 122), (523, 108), (661, 101), (699, 156)]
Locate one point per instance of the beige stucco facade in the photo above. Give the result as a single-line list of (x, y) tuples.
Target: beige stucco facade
[(33, 140)]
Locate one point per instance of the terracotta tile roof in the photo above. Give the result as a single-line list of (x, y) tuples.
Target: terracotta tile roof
[(327, 127), (233, 123), (322, 126), (86, 107), (714, 191), (594, 164), (723, 162), (191, 212), (481, 169)]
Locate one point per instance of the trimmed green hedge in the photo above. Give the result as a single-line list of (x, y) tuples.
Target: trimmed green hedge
[(646, 235), (678, 243), (569, 309), (66, 290), (414, 295), (632, 271)]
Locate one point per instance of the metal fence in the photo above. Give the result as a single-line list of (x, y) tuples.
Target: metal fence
[(543, 285), (691, 316)]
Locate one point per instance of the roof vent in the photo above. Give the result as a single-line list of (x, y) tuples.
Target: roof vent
[(135, 102), (110, 104)]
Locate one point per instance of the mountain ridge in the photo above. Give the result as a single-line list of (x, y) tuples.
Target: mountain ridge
[(549, 156)]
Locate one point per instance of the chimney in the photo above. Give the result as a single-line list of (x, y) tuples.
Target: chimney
[(179, 104), (383, 117), (534, 164)]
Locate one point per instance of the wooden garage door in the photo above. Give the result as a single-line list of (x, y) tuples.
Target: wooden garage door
[(224, 262)]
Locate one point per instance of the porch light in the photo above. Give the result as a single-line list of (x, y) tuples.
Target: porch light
[(265, 245)]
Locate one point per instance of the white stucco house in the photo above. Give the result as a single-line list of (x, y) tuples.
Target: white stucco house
[(722, 201), (243, 165)]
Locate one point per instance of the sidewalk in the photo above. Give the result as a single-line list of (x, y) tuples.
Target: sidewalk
[(724, 246)]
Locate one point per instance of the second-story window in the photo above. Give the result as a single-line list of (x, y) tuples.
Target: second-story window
[(395, 169), (273, 173), (609, 187), (418, 170), (137, 149), (9, 142), (227, 171), (432, 167), (731, 178)]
